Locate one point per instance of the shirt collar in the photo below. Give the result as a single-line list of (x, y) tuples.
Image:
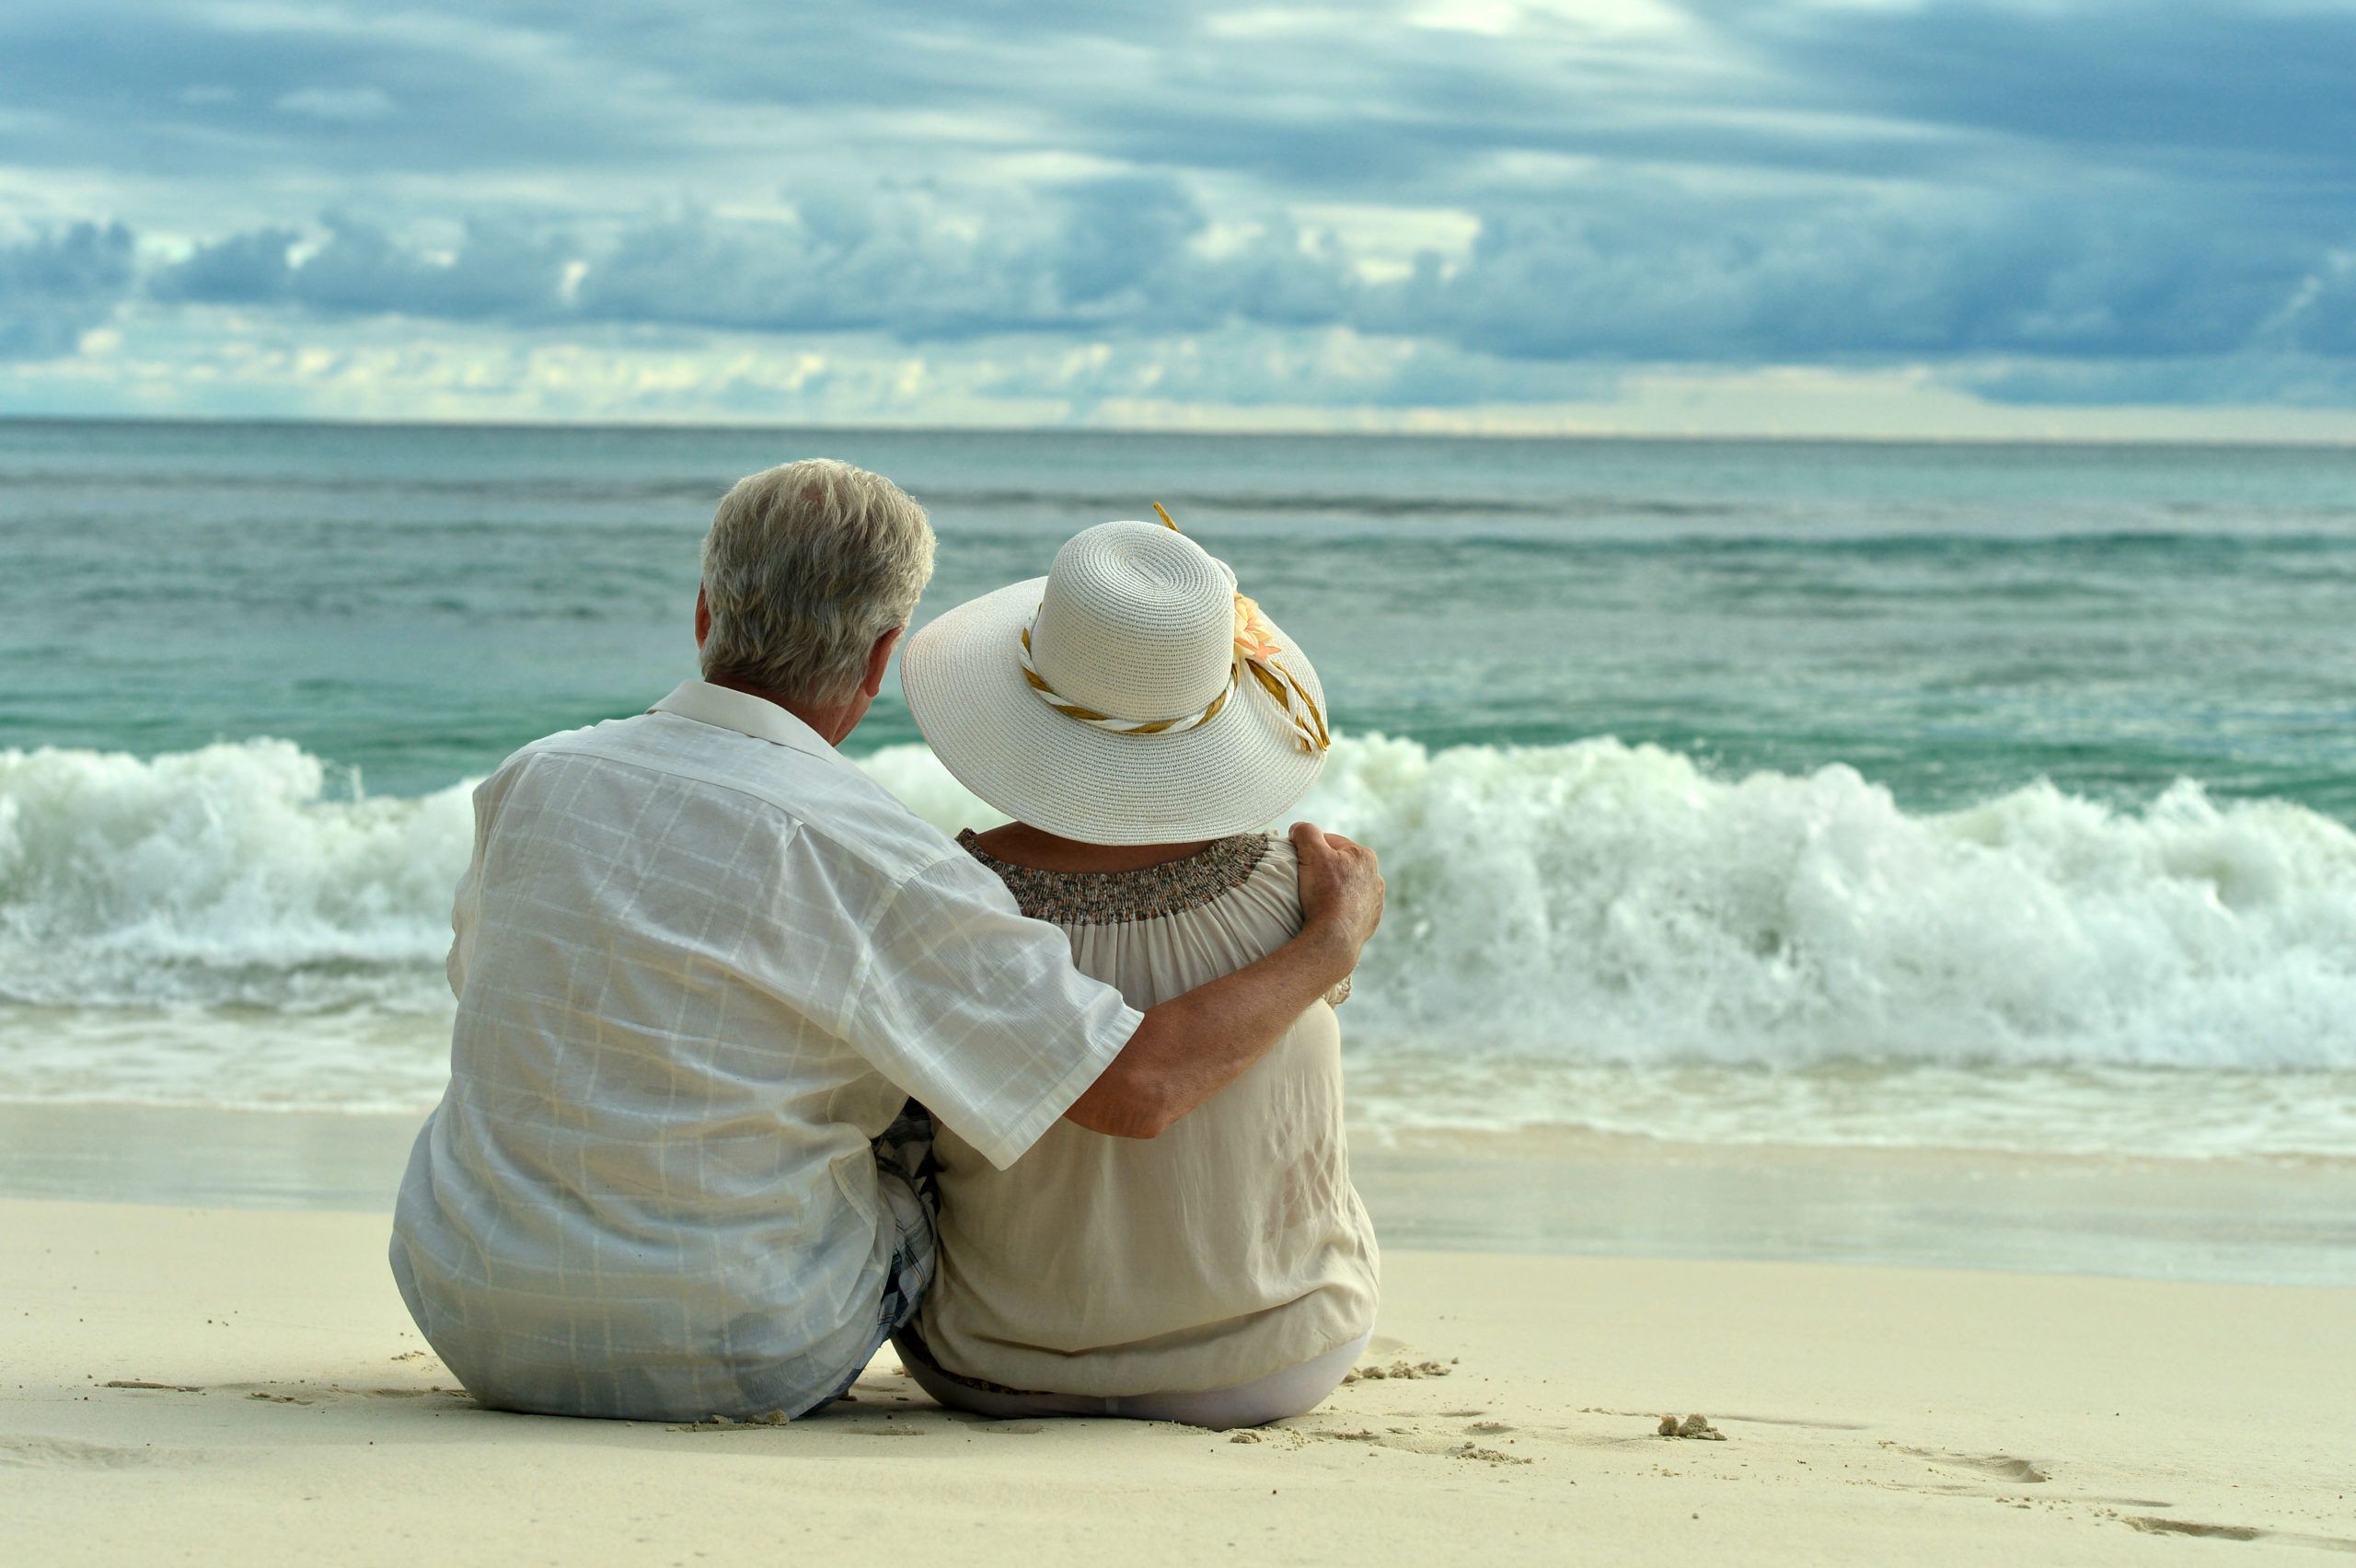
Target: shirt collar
[(747, 715)]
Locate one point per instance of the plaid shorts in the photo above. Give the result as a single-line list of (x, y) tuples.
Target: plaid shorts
[(906, 1178)]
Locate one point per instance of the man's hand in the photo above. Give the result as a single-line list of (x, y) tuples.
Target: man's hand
[(1341, 893), (1190, 1047)]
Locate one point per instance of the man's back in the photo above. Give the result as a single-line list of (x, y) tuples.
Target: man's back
[(691, 955)]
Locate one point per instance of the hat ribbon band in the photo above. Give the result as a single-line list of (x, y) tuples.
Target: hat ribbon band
[(1308, 725)]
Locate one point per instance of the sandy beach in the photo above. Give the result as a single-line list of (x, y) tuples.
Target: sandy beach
[(1814, 542), (191, 1385)]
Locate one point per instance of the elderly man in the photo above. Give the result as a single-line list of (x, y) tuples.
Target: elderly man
[(702, 963)]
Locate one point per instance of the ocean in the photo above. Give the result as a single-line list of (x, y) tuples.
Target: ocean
[(1975, 797)]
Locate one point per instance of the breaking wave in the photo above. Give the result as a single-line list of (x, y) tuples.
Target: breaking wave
[(1587, 904)]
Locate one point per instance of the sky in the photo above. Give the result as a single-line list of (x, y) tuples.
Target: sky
[(1900, 218)]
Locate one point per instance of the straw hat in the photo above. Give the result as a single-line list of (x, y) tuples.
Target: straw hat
[(1130, 696)]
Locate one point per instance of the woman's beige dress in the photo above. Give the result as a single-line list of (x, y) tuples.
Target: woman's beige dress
[(1231, 1247)]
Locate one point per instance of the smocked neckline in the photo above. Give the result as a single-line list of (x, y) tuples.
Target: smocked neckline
[(1149, 892)]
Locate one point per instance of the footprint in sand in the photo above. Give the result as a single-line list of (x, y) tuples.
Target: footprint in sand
[(336, 1393), (1407, 1440), (1800, 1421), (2150, 1525), (65, 1454), (309, 1396), (2002, 1466)]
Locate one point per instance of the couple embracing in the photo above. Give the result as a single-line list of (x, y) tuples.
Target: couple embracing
[(753, 1070)]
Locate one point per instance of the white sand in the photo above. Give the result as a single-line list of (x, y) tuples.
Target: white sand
[(1871, 1415)]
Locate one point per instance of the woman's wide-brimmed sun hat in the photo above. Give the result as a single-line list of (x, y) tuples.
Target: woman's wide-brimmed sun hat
[(1131, 696)]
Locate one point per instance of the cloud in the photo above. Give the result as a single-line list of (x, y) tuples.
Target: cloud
[(1123, 256), (1604, 271), (1242, 368), (2194, 86), (887, 261), (345, 104), (2280, 380), (496, 272), (1120, 235), (2069, 200), (243, 269), (54, 287), (1663, 277), (1607, 273), (230, 94)]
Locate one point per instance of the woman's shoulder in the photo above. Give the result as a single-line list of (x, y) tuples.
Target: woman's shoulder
[(1221, 869), (1279, 864)]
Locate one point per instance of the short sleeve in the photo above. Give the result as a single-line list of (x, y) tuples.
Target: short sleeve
[(978, 1012)]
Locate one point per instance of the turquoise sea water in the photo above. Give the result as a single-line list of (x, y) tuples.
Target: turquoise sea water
[(1980, 795), (1953, 621)]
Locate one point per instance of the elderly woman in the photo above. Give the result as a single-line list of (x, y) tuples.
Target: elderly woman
[(1140, 719)]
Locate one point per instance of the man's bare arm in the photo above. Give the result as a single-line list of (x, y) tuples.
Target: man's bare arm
[(1192, 1046)]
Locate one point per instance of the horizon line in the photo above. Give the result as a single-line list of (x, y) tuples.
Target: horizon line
[(2296, 442)]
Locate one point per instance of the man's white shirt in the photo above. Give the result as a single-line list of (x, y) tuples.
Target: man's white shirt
[(700, 961)]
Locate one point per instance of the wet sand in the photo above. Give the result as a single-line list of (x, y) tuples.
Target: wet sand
[(1551, 1191)]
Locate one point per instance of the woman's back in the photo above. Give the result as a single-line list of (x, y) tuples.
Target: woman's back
[(1228, 1249)]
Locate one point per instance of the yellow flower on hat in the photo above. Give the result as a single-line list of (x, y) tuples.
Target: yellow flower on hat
[(1255, 640)]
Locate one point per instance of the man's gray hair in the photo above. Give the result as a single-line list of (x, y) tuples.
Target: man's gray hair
[(806, 565)]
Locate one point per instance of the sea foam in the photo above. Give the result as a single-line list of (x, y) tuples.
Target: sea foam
[(230, 875), (1603, 902), (1583, 904)]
